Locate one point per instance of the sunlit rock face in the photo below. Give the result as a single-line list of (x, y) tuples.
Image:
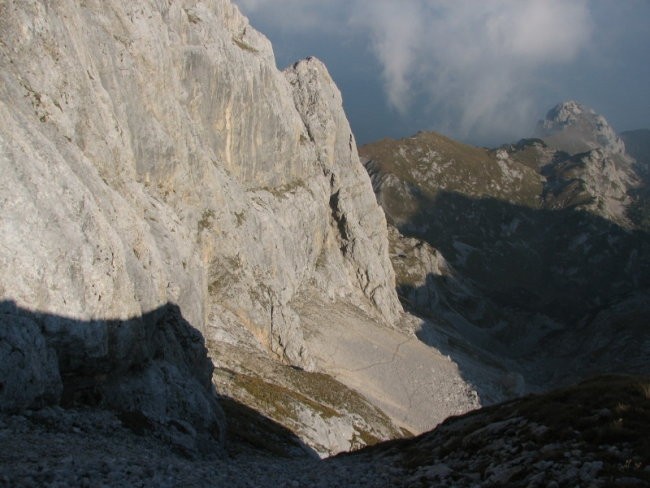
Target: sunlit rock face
[(153, 156), (146, 147), (591, 168)]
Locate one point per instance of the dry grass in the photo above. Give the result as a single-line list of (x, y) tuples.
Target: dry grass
[(432, 162)]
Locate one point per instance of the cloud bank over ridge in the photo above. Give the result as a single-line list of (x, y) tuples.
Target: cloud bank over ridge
[(478, 68), (476, 62)]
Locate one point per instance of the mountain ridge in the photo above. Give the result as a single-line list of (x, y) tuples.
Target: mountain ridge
[(525, 269)]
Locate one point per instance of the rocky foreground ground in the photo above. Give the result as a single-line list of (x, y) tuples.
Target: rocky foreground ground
[(592, 435)]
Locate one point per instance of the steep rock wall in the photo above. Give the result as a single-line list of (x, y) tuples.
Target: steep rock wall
[(152, 153)]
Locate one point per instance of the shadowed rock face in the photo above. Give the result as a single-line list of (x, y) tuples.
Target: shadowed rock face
[(154, 366)]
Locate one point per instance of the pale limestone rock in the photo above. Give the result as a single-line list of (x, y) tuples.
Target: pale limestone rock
[(357, 223), (328, 416), (575, 128), (600, 176), (416, 385), (168, 139), (604, 184), (152, 154)]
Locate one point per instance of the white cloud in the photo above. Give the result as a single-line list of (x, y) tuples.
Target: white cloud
[(475, 63), (395, 30)]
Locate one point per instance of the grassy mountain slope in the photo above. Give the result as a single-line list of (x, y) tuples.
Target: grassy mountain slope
[(535, 242)]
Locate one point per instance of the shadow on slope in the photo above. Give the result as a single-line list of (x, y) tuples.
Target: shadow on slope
[(248, 429), (92, 356), (556, 296), (604, 420), (561, 263), (153, 371)]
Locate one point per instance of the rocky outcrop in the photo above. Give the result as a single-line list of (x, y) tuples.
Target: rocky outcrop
[(593, 181), (154, 369), (591, 168), (574, 128), (357, 230), (154, 157)]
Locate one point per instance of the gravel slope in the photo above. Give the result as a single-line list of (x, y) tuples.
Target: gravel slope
[(595, 434)]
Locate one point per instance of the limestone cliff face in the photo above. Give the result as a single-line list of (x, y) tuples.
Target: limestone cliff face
[(355, 249), (151, 153)]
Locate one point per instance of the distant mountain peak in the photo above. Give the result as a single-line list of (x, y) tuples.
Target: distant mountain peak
[(564, 114), (575, 128)]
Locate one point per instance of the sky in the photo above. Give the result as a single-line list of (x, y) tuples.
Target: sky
[(480, 71)]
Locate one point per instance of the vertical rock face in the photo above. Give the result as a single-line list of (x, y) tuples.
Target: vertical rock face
[(356, 242), (152, 153)]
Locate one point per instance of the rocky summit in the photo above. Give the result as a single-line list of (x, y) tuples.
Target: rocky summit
[(574, 128), (200, 286)]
